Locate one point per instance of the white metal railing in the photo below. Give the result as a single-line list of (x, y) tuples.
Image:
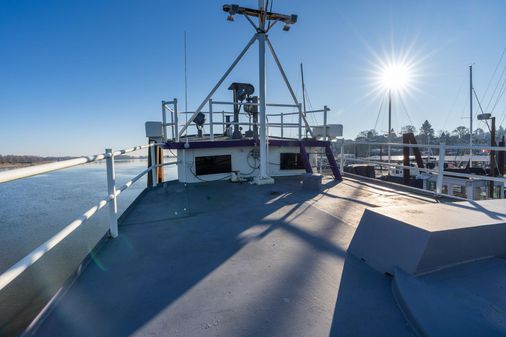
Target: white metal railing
[(171, 121), (440, 172), (14, 271)]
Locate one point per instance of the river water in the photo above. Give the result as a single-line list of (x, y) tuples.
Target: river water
[(32, 210)]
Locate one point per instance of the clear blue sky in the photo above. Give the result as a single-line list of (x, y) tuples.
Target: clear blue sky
[(79, 76)]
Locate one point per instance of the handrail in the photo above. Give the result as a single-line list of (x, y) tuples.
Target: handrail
[(390, 183), (440, 172), (19, 267), (279, 105), (295, 113), (10, 274), (234, 103), (434, 146), (433, 171), (25, 172), (177, 132)]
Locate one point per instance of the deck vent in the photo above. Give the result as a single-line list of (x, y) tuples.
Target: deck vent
[(213, 164)]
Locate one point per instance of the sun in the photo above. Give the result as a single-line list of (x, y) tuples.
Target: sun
[(395, 73), (395, 77)]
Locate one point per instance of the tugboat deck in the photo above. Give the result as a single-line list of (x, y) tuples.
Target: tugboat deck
[(242, 260)]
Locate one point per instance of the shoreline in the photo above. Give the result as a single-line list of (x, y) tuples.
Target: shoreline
[(12, 166)]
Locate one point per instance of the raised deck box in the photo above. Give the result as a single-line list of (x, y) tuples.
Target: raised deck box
[(420, 239)]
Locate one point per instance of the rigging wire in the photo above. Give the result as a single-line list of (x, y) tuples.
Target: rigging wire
[(185, 78), (379, 113), (403, 106), (494, 73), (455, 102), (187, 196), (185, 84), (478, 100), (499, 96), (297, 88), (496, 87), (503, 116), (310, 105), (306, 93)]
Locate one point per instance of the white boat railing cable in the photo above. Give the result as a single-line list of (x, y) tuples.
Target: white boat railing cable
[(25, 172), (440, 172), (19, 267)]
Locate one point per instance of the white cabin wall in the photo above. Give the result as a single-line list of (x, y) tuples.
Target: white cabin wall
[(239, 162)]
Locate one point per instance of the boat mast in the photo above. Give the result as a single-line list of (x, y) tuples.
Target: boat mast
[(303, 93), (261, 86), (389, 115), (471, 89), (389, 127)]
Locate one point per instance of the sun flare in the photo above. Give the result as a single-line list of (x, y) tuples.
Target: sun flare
[(395, 77)]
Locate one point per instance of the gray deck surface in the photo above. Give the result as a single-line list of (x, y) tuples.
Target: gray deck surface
[(242, 260), (472, 297)]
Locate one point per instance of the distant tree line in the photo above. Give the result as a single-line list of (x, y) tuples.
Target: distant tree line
[(427, 135), (14, 159)]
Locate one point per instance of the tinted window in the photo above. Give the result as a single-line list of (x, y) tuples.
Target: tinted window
[(291, 161), (213, 164)]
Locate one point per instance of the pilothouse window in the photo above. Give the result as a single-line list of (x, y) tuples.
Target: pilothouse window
[(213, 164), (291, 161)]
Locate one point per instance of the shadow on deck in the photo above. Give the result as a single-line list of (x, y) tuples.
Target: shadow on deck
[(222, 259)]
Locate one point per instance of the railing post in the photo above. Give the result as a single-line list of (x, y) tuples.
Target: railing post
[(325, 109), (389, 149), (164, 120), (153, 164), (175, 121), (341, 164), (211, 131), (282, 124), (441, 168), (300, 121), (223, 122), (111, 190)]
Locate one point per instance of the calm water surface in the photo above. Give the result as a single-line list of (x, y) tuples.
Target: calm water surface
[(34, 209)]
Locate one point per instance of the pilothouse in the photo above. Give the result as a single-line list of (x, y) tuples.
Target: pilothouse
[(249, 139)]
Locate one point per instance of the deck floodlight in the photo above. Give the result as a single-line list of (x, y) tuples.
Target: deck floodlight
[(234, 9), (484, 116), (231, 10), (286, 28)]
